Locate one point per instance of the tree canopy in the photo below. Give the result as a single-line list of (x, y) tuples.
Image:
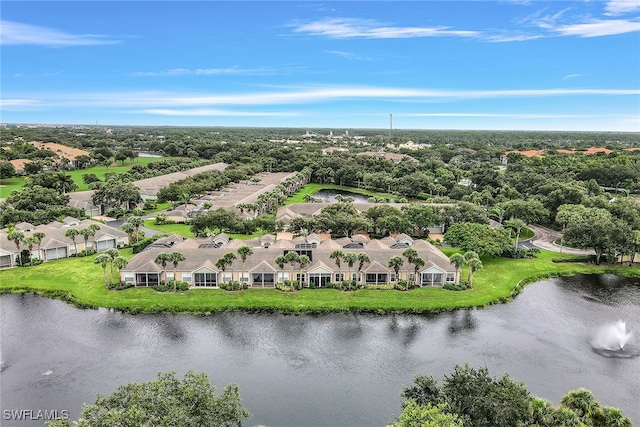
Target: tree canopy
[(167, 401)]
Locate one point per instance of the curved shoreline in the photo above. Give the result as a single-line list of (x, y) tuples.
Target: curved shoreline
[(317, 301)]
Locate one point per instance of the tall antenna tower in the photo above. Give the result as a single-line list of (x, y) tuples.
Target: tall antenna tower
[(390, 124)]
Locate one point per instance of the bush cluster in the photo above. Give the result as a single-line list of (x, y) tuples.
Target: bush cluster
[(233, 286), (120, 286), (168, 287)]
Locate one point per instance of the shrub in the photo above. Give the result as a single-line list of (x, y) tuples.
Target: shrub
[(351, 285), (514, 253), (119, 286), (585, 258), (233, 286), (86, 252), (284, 287), (532, 252), (452, 287), (143, 243), (385, 287), (150, 204)]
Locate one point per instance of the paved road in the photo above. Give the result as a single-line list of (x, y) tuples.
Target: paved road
[(545, 237)]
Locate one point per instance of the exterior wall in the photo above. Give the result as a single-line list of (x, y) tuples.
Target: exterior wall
[(280, 276)]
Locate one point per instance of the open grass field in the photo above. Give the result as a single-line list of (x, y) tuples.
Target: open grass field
[(16, 183), (7, 185), (81, 282)]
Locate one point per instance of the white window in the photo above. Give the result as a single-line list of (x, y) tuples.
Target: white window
[(244, 277), (129, 278), (392, 277), (169, 275), (412, 277), (451, 277), (339, 277), (186, 277)]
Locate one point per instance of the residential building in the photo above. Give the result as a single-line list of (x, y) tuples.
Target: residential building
[(260, 269)]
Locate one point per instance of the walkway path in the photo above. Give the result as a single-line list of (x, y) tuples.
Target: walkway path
[(545, 237)]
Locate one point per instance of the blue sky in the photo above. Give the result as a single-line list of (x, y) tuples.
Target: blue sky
[(517, 65)]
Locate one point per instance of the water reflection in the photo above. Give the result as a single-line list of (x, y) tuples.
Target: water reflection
[(461, 321)]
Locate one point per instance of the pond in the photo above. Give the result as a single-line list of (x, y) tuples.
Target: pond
[(341, 369), (329, 196)]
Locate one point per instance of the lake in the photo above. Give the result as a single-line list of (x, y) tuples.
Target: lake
[(329, 370)]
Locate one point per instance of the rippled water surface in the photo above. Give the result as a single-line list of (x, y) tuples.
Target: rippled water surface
[(331, 370)]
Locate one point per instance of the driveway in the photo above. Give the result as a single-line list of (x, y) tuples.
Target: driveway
[(544, 238)]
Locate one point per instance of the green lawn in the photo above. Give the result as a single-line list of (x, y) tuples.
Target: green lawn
[(9, 184), (81, 282), (184, 230)]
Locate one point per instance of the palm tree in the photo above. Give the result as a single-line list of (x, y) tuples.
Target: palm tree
[(175, 257), (228, 258), (292, 258), (17, 237), (221, 264), (457, 260), (163, 259), (281, 261), (582, 402), (474, 265), (244, 252), (90, 231), (71, 234), (30, 242), (468, 257), (39, 235), (396, 262), (136, 221), (304, 260), (350, 258), (337, 256), (410, 254), (113, 254), (516, 224), (120, 262), (130, 230), (103, 259), (362, 260), (418, 263)]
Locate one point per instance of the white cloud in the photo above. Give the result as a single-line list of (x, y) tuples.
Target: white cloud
[(216, 113), (598, 28), (305, 95), (15, 104), (348, 28), (505, 115), (14, 33), (571, 76), (257, 71), (349, 55), (620, 7)]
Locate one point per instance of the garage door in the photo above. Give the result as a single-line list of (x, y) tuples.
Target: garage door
[(103, 245), (56, 253)]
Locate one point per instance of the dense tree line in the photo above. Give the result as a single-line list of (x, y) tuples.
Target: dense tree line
[(457, 167)]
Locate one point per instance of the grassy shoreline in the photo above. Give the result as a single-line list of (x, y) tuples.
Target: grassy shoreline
[(80, 282)]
